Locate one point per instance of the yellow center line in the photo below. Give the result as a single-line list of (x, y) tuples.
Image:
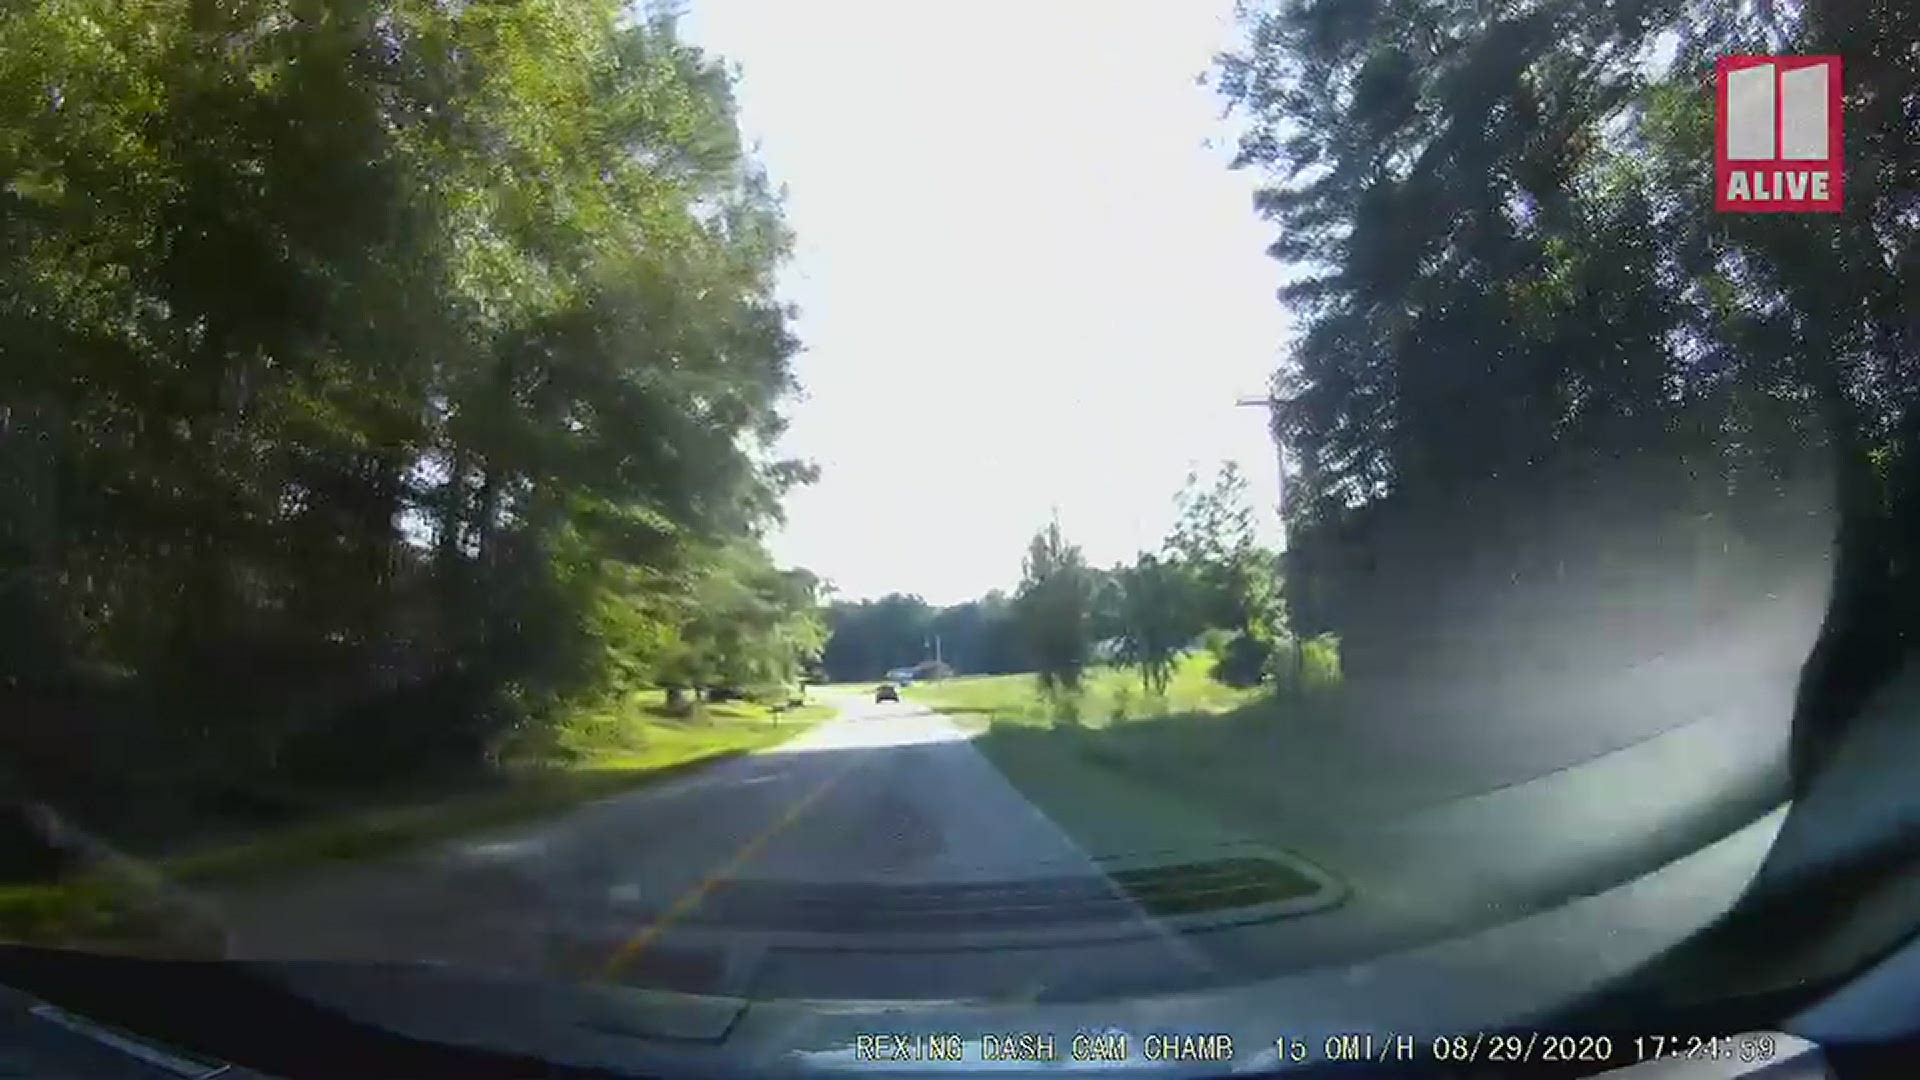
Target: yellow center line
[(630, 949)]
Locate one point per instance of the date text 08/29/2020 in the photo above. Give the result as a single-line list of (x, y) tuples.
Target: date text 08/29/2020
[(1499, 1048), (1523, 1048)]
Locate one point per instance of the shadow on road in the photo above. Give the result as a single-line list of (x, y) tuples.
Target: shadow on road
[(899, 851)]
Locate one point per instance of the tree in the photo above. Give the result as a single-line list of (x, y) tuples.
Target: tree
[(747, 626), (1055, 608), (1533, 367), (981, 637), (376, 379), (871, 637), (1234, 579), (1157, 618), (1106, 613), (1516, 309)]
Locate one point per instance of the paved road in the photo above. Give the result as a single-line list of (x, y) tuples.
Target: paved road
[(877, 859), (872, 856), (881, 856)]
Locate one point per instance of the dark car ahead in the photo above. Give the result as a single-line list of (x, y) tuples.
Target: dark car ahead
[(886, 692)]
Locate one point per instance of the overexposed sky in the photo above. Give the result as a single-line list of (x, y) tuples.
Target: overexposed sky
[(1025, 281)]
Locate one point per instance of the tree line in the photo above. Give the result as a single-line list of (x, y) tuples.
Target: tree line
[(1535, 372), (378, 382), (1211, 586), (868, 638)]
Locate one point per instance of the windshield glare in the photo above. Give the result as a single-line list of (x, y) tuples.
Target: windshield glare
[(1024, 507)]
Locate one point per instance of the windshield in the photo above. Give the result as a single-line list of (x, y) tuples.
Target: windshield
[(1015, 504)]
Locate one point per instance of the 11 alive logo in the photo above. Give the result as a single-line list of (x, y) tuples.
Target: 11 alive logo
[(1777, 135)]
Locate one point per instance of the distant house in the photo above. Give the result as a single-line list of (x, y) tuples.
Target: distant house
[(900, 675)]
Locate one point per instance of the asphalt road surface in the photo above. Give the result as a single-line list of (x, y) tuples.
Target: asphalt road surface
[(877, 855), (881, 856)]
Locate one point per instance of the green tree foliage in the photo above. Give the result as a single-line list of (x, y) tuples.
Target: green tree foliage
[(1158, 616), (1107, 610), (374, 376), (1536, 376), (1234, 580), (1213, 539), (1531, 355), (747, 626), (981, 637), (1213, 573), (1055, 608), (871, 637)]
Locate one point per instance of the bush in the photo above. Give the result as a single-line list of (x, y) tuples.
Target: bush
[(1320, 666), (1063, 705), (1306, 665), (1242, 662)]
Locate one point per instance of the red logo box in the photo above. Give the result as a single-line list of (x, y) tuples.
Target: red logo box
[(1776, 143)]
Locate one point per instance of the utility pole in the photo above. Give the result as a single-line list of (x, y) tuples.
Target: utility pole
[(1272, 405)]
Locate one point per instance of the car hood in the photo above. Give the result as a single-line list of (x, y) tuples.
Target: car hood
[(1498, 977)]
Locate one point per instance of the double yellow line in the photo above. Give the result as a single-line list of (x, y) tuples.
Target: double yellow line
[(631, 949)]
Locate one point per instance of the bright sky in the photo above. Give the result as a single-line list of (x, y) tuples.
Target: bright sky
[(1026, 281)]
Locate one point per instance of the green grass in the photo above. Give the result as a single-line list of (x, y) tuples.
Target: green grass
[(1134, 774), (1059, 750), (604, 754), (1222, 771), (1107, 695), (638, 729), (1148, 795)]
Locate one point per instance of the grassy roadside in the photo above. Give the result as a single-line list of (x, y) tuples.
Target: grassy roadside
[(123, 900), (1124, 771), (1135, 779), (1109, 695), (1060, 751), (652, 749)]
